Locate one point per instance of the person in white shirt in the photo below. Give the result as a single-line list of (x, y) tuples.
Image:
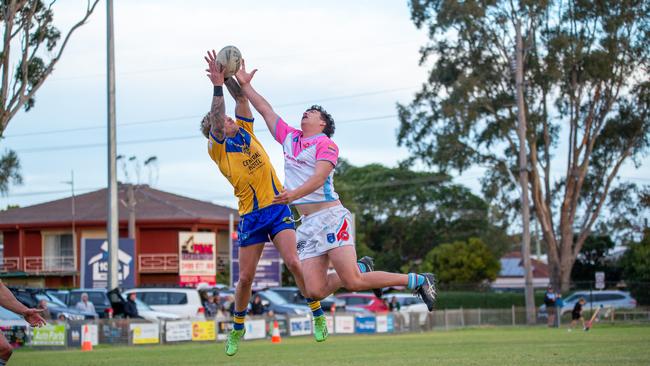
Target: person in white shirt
[(85, 304)]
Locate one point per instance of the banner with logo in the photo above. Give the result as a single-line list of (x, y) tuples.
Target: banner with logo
[(204, 331), (365, 324), (94, 269), (197, 258), (145, 333), (49, 335), (382, 324), (300, 326), (330, 323), (76, 334), (255, 329), (344, 324), (176, 331), (269, 269)]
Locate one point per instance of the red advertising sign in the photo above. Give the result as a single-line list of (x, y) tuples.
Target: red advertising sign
[(197, 260)]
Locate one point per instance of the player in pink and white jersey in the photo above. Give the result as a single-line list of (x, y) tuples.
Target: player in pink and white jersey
[(310, 157)]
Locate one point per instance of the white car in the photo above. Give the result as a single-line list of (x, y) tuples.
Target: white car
[(151, 315), (594, 299), (409, 304), (184, 302)]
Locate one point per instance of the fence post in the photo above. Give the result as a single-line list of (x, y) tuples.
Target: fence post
[(513, 315), (479, 316), (446, 320), (462, 317)]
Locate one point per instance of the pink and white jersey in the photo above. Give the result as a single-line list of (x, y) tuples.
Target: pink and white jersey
[(300, 157)]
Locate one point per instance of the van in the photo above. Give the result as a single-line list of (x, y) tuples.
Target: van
[(184, 302)]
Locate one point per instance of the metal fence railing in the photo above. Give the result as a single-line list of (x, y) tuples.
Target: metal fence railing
[(72, 334)]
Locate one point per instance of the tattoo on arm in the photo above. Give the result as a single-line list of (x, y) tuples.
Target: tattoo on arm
[(234, 88), (218, 117)]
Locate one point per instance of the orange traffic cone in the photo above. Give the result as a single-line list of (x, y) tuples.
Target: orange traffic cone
[(86, 344), (275, 335)]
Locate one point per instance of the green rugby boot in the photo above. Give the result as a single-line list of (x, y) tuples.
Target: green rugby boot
[(232, 344), (320, 328)]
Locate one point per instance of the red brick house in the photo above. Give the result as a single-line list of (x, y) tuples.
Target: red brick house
[(38, 241)]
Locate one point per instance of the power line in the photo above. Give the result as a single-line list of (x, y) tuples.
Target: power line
[(194, 116), (165, 139)]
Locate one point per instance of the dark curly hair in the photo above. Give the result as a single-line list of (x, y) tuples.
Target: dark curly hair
[(329, 121)]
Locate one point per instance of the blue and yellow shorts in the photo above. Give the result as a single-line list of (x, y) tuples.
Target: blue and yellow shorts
[(262, 225)]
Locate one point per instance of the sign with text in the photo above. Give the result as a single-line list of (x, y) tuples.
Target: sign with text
[(269, 268), (344, 324), (197, 258), (94, 272), (600, 280), (49, 335), (176, 331), (365, 324), (300, 326), (203, 331), (255, 329), (144, 333)]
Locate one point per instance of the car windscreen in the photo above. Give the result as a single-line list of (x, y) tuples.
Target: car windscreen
[(51, 300), (97, 298), (162, 298), (273, 297), (353, 300)]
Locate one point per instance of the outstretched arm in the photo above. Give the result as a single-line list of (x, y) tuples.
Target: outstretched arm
[(323, 170), (218, 109), (8, 301), (259, 103), (242, 108)]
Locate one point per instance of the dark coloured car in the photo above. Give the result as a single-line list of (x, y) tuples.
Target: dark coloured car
[(107, 304), (31, 297), (273, 301)]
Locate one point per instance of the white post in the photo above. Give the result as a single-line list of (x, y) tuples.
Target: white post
[(479, 316), (513, 315), (231, 228), (112, 216), (462, 317), (446, 320)]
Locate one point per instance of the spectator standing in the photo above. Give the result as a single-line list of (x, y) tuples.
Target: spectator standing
[(84, 304), (42, 304), (394, 304), (257, 308), (549, 300), (131, 308), (211, 307)]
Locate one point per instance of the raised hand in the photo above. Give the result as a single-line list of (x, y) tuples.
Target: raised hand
[(242, 76), (215, 70), (33, 317)]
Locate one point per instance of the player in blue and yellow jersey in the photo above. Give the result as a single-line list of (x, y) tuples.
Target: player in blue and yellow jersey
[(242, 160)]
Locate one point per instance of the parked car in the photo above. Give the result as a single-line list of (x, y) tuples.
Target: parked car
[(273, 301), (594, 299), (146, 312), (101, 299), (184, 302), (364, 300), (10, 319), (293, 296), (31, 297), (60, 294), (409, 304)]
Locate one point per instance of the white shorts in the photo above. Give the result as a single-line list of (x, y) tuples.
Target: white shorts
[(324, 230)]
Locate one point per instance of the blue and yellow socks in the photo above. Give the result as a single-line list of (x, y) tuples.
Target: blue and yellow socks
[(238, 318), (314, 305), (415, 280)]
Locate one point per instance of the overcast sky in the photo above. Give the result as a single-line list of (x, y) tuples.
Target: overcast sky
[(356, 58)]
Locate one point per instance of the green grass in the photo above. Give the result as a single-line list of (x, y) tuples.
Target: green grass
[(603, 345)]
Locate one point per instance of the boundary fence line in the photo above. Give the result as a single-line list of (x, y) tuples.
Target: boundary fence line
[(138, 331)]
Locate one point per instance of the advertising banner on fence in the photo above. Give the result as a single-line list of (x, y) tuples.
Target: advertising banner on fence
[(390, 323), (203, 331), (382, 324), (49, 335), (197, 258), (94, 269), (255, 329), (145, 333), (344, 324), (300, 326), (76, 334), (365, 324), (269, 269), (176, 331), (330, 323)]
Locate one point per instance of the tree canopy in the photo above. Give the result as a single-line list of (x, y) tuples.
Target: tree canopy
[(587, 98)]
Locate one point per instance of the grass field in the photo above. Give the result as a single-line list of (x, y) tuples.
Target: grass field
[(604, 345)]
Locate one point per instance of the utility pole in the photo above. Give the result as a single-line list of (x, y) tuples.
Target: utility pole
[(130, 197), (112, 216), (74, 231), (523, 178)]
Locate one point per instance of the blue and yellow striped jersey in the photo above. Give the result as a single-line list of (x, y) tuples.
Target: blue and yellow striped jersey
[(245, 164)]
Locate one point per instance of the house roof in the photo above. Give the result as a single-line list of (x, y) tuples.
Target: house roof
[(512, 266), (151, 205)]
